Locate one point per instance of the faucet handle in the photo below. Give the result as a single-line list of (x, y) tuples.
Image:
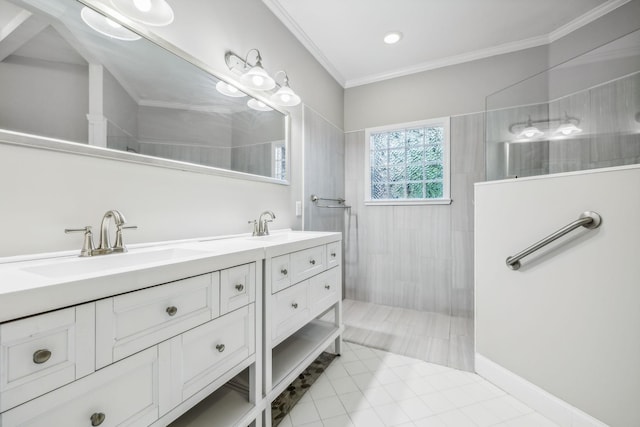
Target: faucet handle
[(119, 245), (255, 227), (87, 245)]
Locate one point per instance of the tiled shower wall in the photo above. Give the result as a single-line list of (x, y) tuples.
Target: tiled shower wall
[(418, 257)]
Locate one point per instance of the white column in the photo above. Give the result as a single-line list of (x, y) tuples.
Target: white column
[(97, 120)]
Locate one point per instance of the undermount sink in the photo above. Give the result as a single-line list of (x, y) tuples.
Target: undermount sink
[(288, 236), (78, 266)]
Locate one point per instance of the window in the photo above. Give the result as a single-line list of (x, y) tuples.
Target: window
[(280, 161), (408, 163)]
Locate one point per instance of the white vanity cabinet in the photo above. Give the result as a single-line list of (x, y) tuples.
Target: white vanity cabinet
[(135, 359), (303, 281)]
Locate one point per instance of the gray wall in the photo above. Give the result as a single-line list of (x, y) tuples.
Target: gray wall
[(43, 191), (418, 257)]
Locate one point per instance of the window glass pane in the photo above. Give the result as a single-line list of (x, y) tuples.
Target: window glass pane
[(415, 137), (379, 158), (434, 190), (434, 153), (396, 157), (415, 190), (379, 141), (435, 135), (415, 173), (379, 175), (396, 174), (379, 191), (434, 171), (415, 155), (396, 139), (396, 191)]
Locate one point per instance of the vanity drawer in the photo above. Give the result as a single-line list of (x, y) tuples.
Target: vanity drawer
[(290, 311), (237, 287), (203, 354), (334, 254), (125, 393), (280, 273), (41, 353), (324, 290), (307, 263), (126, 324)]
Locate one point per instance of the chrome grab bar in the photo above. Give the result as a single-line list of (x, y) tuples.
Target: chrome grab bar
[(588, 219)]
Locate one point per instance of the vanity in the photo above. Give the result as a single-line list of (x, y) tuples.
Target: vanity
[(200, 332)]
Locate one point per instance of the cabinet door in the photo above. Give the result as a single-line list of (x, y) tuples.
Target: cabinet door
[(324, 290), (290, 311), (307, 263), (131, 322), (123, 394), (201, 355), (237, 287), (41, 353)]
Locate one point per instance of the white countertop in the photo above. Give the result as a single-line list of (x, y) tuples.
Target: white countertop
[(31, 285)]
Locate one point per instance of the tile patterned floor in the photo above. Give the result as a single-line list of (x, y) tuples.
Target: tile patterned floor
[(372, 388)]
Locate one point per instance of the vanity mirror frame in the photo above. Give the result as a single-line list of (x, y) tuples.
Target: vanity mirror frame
[(53, 144)]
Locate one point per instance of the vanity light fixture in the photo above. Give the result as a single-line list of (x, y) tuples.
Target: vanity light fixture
[(530, 131), (392, 37), (254, 76), (285, 95), (106, 26), (157, 13), (258, 105), (229, 90)]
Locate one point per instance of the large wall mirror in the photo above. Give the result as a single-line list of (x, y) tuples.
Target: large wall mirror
[(66, 86)]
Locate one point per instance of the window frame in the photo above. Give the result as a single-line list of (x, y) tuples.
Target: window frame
[(444, 122)]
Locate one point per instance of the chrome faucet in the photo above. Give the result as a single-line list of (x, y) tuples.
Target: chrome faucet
[(104, 247), (263, 227)]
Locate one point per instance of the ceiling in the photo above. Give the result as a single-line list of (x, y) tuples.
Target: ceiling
[(345, 36)]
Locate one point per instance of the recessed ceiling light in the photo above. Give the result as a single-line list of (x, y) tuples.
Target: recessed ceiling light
[(392, 37)]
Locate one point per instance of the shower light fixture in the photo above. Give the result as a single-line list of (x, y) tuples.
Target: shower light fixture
[(106, 26), (528, 130), (254, 76), (157, 13)]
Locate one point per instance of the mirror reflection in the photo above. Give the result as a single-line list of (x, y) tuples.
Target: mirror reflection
[(60, 78)]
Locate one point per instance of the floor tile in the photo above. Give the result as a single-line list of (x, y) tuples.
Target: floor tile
[(392, 414), (366, 418), (339, 421), (304, 413), (415, 408), (354, 401), (378, 396), (344, 385), (329, 407)]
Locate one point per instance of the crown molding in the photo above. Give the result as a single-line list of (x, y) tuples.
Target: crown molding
[(595, 13)]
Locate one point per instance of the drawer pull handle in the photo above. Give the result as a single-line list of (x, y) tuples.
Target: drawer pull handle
[(41, 356), (171, 311), (333, 254), (220, 347), (240, 287), (294, 305), (312, 261), (284, 272), (97, 418), (327, 287)]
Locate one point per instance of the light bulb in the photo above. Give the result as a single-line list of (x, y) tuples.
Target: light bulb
[(257, 80), (285, 97), (392, 37), (142, 5)]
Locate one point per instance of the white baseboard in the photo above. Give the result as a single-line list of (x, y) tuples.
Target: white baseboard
[(545, 403)]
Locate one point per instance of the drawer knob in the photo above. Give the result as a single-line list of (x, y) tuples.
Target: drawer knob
[(284, 272), (97, 418), (220, 347), (240, 287), (333, 254), (327, 287), (312, 261), (41, 356), (294, 305), (171, 311)]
